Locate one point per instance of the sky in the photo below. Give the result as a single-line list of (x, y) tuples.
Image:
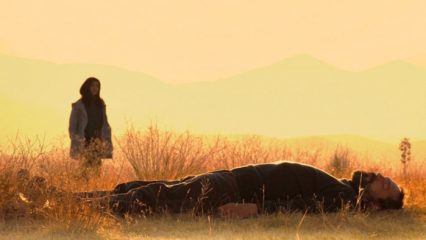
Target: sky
[(195, 40), (186, 41)]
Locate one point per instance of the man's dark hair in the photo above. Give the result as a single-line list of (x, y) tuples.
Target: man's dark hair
[(86, 94)]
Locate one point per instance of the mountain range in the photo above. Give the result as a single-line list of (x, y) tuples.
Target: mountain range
[(299, 96)]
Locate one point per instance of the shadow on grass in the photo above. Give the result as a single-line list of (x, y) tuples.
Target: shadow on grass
[(403, 224), (396, 224)]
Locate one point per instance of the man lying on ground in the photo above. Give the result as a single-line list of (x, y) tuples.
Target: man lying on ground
[(252, 189)]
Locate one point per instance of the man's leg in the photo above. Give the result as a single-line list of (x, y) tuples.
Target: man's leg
[(201, 194), (126, 187), (94, 194)]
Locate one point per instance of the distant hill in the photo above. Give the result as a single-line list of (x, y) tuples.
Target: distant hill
[(49, 89), (303, 96), (299, 96), (22, 119)]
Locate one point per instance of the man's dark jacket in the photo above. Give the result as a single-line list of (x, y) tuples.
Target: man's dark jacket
[(275, 186)]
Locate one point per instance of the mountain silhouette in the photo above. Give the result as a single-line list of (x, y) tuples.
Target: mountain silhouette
[(298, 96)]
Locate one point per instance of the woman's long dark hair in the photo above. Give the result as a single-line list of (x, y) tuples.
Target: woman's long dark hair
[(87, 96)]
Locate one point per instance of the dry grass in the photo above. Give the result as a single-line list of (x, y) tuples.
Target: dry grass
[(155, 154)]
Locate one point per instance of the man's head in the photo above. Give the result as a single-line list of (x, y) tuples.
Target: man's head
[(380, 192)]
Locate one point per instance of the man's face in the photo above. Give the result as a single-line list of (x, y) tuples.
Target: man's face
[(383, 188)]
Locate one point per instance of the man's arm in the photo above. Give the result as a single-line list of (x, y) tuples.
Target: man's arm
[(238, 210), (327, 203)]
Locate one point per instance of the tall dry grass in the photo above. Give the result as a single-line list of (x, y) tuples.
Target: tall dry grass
[(156, 154)]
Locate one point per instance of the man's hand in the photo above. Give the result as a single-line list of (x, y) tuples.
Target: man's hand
[(238, 210)]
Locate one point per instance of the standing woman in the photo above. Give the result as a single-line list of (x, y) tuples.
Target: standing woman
[(89, 129)]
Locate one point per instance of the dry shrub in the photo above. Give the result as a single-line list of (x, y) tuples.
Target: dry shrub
[(156, 154), (36, 182), (246, 150), (342, 162)]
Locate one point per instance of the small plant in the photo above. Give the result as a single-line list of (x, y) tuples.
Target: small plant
[(405, 148)]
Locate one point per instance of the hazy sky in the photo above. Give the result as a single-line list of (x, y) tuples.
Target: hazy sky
[(189, 40)]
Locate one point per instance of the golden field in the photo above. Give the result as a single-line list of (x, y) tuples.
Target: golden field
[(152, 153)]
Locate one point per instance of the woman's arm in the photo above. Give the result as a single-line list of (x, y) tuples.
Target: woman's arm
[(73, 123)]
